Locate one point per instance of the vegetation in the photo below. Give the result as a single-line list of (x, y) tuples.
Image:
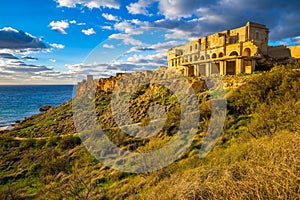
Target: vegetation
[(256, 157)]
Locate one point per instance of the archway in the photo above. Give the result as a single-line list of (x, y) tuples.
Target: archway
[(247, 52)]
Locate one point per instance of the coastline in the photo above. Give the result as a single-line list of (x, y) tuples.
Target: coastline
[(12, 125), (21, 102), (7, 128)]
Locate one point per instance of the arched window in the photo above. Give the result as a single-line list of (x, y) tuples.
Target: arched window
[(247, 52), (207, 56), (221, 55), (196, 57), (234, 53), (214, 55), (202, 58)]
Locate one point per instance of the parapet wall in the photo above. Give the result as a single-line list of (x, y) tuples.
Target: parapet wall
[(279, 52)]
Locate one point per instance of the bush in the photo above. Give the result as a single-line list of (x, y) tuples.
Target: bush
[(279, 83), (69, 142)]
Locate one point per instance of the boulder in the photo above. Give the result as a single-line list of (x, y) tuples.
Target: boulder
[(45, 108)]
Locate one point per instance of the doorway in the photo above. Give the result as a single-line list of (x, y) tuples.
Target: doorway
[(230, 67)]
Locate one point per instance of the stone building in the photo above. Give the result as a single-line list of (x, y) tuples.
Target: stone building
[(229, 52)]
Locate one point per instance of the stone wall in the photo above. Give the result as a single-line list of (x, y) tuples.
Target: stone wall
[(279, 52)]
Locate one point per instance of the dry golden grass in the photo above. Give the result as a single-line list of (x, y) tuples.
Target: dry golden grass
[(267, 168)]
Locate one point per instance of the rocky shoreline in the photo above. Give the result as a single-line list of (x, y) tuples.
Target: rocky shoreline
[(8, 127)]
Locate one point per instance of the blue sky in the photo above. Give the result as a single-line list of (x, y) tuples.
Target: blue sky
[(54, 41)]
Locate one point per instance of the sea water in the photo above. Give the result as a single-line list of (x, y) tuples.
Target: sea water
[(18, 102)]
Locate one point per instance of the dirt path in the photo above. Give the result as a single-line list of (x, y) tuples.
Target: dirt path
[(42, 138)]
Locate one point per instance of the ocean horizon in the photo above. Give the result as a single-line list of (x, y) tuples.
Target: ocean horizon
[(20, 101)]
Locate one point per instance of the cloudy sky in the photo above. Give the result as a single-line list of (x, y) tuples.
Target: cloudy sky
[(55, 41)]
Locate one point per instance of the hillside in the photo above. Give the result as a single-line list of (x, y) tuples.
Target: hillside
[(257, 155)]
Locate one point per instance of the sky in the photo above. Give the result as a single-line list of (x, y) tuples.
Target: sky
[(60, 41)]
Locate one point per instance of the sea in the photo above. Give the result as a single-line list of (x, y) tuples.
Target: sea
[(18, 102)]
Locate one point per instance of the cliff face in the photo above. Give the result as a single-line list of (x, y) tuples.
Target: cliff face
[(108, 84)]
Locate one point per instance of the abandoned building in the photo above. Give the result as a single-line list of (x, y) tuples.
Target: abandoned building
[(229, 52)]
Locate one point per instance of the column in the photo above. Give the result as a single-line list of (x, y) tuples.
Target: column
[(222, 68), (253, 63), (238, 68), (196, 70), (208, 69)]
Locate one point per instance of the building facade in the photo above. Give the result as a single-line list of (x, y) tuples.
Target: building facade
[(229, 52)]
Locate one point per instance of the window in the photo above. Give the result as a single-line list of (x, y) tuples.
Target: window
[(196, 46), (257, 35), (191, 48), (191, 58), (196, 58), (185, 59), (233, 39)]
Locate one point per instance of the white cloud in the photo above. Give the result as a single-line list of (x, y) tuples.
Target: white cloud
[(129, 27), (178, 34), (106, 27), (110, 17), (140, 7), (108, 46), (52, 60), (89, 31), (73, 22), (153, 59), (166, 45), (57, 46), (90, 3), (9, 29), (159, 47), (127, 39), (59, 26), (81, 24), (296, 40), (106, 70)]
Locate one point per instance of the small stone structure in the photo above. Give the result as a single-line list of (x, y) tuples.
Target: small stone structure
[(89, 78), (229, 52)]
